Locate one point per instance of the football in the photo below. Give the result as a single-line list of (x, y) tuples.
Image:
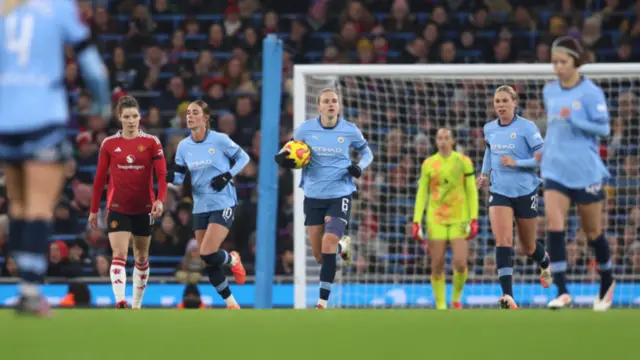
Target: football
[(299, 152)]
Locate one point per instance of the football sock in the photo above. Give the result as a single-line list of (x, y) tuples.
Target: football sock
[(140, 278), (504, 263), (118, 277), (15, 235), (459, 279), (558, 255), (218, 258), (31, 250), (540, 255), (438, 284), (603, 257), (219, 281), (327, 275)]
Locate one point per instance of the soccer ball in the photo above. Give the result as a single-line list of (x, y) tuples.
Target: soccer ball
[(299, 152)]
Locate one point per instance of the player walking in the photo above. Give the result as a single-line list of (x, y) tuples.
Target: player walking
[(207, 155), (128, 156), (33, 119), (509, 160), (572, 168), (447, 182), (327, 182)]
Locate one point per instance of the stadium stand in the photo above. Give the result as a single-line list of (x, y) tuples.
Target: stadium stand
[(167, 53)]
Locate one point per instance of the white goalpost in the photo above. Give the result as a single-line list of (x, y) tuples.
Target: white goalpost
[(398, 108)]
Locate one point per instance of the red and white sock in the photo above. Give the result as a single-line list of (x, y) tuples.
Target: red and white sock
[(118, 273), (140, 278)]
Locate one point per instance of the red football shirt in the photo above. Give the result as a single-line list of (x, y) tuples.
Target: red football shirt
[(129, 163)]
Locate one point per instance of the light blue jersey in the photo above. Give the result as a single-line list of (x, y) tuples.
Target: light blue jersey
[(520, 139), (326, 175), (32, 63), (577, 117), (205, 160)]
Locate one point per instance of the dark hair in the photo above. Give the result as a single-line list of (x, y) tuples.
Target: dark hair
[(572, 47), (126, 102), (205, 110)]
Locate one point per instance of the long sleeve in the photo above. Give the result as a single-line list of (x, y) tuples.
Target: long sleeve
[(160, 166), (470, 189), (526, 163), (366, 157), (596, 128), (597, 120), (100, 179), (242, 159), (179, 167), (423, 192), (486, 161)]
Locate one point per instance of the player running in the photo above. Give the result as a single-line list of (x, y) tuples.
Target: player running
[(207, 155), (448, 183), (572, 168), (509, 160), (327, 182), (33, 118), (132, 205)]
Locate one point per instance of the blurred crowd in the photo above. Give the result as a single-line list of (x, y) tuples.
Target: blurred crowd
[(167, 53)]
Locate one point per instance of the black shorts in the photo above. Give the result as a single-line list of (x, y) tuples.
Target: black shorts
[(524, 207), (222, 217), (138, 225), (315, 210), (588, 195), (49, 145)]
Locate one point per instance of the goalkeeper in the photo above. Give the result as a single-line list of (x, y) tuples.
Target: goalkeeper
[(327, 182), (448, 183)]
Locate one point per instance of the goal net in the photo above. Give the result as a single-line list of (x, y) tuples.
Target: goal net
[(399, 109)]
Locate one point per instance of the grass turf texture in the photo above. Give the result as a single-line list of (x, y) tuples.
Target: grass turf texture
[(328, 335)]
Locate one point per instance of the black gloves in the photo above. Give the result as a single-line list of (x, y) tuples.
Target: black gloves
[(219, 182), (283, 160), (355, 170), (171, 175)]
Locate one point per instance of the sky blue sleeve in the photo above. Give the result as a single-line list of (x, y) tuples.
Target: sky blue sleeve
[(298, 133), (596, 120), (535, 142), (74, 29), (486, 161), (95, 74), (235, 152), (179, 176), (362, 146)]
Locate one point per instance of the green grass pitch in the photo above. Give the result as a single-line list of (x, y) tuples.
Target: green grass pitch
[(327, 335)]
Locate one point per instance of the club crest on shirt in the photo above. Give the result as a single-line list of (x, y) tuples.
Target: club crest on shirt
[(512, 135), (576, 105), (340, 139), (212, 151), (130, 159), (141, 148)]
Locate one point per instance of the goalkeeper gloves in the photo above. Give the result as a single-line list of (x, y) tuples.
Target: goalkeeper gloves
[(219, 182), (473, 229), (282, 158), (355, 170), (416, 232)]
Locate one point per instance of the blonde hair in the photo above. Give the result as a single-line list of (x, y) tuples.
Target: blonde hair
[(323, 91), (10, 5), (509, 90)]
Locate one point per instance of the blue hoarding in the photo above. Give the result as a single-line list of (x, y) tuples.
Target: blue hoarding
[(347, 295)]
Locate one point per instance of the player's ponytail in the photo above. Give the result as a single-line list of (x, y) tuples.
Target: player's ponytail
[(205, 111), (126, 102), (572, 47)]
